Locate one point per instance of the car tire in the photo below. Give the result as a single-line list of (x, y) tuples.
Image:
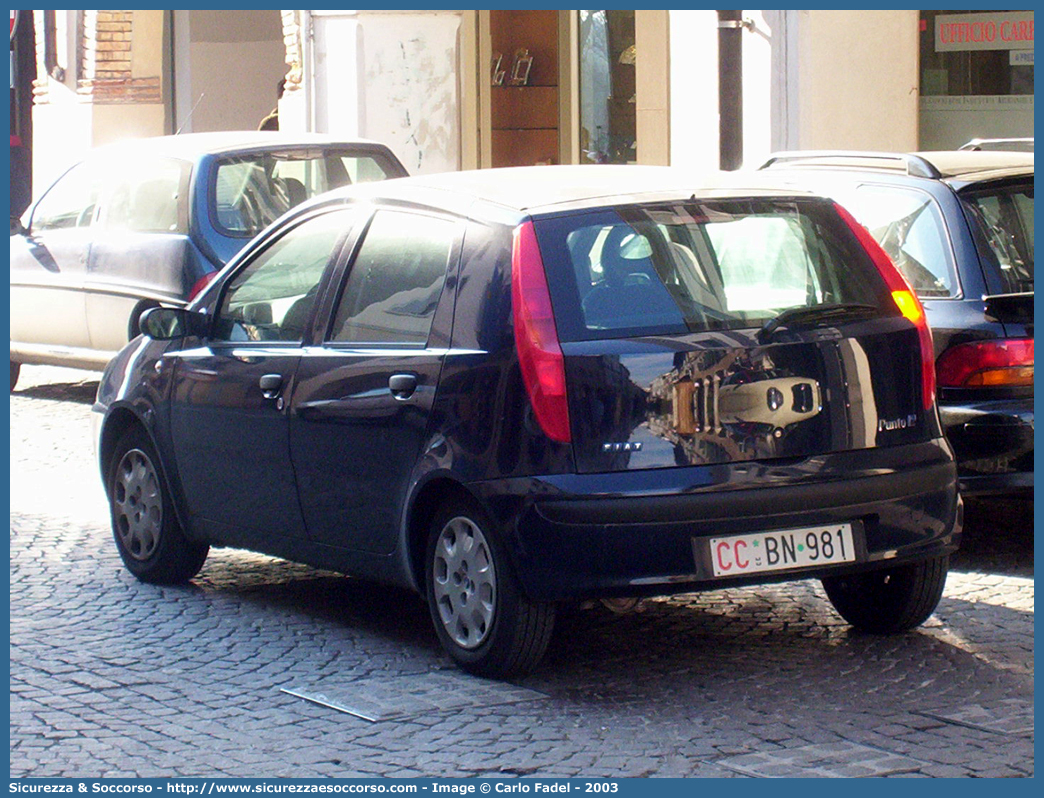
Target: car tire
[(889, 600), (16, 369), (481, 616), (148, 535)]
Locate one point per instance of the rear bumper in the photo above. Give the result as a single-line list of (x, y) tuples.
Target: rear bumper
[(647, 532), (993, 444)]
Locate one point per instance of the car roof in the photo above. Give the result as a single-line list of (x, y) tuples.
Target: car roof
[(970, 163), (190, 146), (1017, 144), (962, 166), (543, 189)]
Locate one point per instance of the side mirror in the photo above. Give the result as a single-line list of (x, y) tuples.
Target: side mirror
[(169, 324), (16, 227)]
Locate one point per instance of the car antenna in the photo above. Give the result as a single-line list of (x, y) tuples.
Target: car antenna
[(202, 94)]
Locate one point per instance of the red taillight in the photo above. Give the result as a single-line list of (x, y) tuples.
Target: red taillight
[(536, 337), (905, 299), (987, 364), (200, 284)]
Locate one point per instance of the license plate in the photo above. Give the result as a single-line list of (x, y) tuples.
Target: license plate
[(757, 552)]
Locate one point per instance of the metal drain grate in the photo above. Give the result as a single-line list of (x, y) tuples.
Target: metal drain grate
[(831, 760), (398, 697), (1009, 716)]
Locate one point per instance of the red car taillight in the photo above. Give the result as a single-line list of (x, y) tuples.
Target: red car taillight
[(987, 364), (536, 337), (905, 299), (200, 284)]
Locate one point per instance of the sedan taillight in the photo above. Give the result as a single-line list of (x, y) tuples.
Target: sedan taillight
[(1003, 363)]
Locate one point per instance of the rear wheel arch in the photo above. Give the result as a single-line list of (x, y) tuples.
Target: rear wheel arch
[(482, 616), (433, 495)]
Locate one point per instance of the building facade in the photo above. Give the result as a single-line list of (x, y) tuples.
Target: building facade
[(470, 88)]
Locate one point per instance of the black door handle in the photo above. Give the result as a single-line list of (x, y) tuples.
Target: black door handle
[(402, 386), (271, 385)]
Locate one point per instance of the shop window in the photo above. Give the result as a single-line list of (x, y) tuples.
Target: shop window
[(976, 70), (968, 54), (607, 87), (524, 91)]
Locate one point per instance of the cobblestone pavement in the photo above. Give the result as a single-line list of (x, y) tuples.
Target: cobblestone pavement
[(113, 678)]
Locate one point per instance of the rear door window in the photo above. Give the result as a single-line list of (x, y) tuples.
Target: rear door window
[(699, 266), (396, 280)]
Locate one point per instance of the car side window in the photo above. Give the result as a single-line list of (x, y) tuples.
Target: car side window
[(395, 280), (70, 202), (148, 197), (1004, 215), (909, 227), (272, 298)]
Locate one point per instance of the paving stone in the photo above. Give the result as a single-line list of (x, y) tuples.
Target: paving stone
[(837, 760), (407, 696), (110, 676), (1008, 716)]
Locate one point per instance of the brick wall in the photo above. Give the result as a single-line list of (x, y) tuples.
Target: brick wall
[(292, 35), (103, 68), (107, 46), (107, 76)]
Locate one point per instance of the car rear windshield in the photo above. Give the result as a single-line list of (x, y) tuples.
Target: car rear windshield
[(1004, 215), (700, 265), (252, 190)]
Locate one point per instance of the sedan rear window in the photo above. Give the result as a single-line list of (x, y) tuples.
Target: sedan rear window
[(252, 190), (699, 266)]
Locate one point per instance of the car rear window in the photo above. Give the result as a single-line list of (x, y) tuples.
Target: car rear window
[(687, 267), (1004, 215), (252, 190)]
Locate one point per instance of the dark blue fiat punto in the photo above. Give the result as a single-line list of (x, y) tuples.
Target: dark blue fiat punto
[(509, 388)]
